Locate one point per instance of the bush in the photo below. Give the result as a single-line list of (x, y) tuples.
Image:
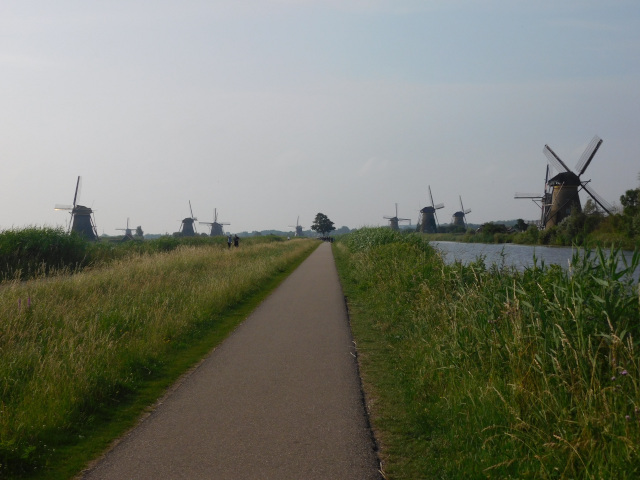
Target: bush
[(39, 251)]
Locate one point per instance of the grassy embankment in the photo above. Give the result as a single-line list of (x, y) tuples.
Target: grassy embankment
[(82, 355), (39, 251), (476, 372)]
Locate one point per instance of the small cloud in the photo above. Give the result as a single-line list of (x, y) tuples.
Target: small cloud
[(373, 165)]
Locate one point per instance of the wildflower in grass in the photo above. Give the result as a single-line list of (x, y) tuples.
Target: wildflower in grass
[(624, 372), (613, 379)]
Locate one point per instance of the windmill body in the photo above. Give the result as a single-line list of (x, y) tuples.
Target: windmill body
[(187, 229), (128, 235), (394, 222), (217, 229), (81, 216), (459, 218), (83, 223), (566, 185), (564, 197), (428, 217), (298, 228)]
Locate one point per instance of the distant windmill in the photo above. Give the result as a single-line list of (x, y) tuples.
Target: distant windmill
[(298, 228), (187, 229), (127, 232), (567, 184), (81, 220), (429, 219), (394, 222), (542, 200), (216, 227), (460, 218)]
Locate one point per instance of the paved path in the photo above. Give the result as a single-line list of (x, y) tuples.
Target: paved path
[(279, 399)]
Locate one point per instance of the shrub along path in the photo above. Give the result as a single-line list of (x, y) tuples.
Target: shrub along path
[(280, 398)]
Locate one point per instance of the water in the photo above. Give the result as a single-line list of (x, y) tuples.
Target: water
[(518, 256)]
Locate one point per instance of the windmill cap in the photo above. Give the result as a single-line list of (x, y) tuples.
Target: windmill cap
[(565, 178)]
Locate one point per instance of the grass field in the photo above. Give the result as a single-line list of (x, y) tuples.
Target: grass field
[(482, 372), (81, 355)]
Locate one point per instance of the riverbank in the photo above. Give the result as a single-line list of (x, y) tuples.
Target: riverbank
[(474, 371), (535, 237)]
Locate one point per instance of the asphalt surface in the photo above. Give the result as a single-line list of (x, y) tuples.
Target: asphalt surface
[(279, 399)]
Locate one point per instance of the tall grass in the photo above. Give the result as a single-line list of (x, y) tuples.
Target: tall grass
[(36, 251), (72, 344), (484, 372), (33, 251)]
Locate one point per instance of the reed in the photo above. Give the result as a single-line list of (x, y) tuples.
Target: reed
[(72, 345), (485, 372)]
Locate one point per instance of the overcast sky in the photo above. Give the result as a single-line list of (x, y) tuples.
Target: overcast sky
[(272, 109)]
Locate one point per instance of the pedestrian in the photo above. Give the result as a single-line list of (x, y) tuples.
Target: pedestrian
[(229, 241), (236, 240)]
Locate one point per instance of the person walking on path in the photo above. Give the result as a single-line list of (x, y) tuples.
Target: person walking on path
[(280, 398), (229, 241)]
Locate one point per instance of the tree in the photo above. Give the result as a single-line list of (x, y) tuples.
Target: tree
[(591, 208), (322, 224), (631, 201), (521, 225)]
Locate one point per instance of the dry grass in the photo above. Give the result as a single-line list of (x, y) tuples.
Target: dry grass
[(71, 344)]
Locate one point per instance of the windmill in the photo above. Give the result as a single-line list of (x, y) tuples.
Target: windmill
[(216, 227), (460, 218), (81, 220), (394, 222), (543, 201), (187, 228), (567, 184), (298, 228), (127, 232), (429, 219)]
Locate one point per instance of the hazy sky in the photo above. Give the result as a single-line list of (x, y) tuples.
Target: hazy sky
[(272, 109)]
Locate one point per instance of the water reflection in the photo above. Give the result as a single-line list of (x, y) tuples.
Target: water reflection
[(508, 254)]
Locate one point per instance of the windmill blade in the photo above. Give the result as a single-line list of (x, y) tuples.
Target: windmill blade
[(554, 160), (527, 195), (588, 155), (438, 206), (467, 211), (431, 197), (191, 210), (606, 206), (215, 215), (461, 206), (62, 207), (396, 209), (206, 223), (76, 196)]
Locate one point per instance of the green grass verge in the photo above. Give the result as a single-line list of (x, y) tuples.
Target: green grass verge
[(485, 372)]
